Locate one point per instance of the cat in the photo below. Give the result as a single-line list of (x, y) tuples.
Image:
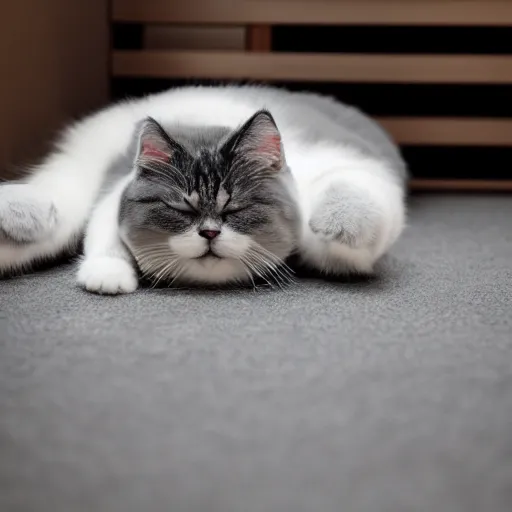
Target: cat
[(209, 186)]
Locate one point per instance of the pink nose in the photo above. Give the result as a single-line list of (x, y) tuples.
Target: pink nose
[(209, 234)]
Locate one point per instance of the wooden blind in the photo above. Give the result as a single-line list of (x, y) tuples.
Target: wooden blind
[(262, 60)]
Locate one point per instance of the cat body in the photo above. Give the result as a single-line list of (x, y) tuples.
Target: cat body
[(265, 172)]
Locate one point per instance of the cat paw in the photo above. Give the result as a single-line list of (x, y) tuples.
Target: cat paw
[(25, 216), (347, 216), (107, 276)]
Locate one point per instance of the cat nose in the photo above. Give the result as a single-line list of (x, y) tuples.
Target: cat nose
[(209, 234)]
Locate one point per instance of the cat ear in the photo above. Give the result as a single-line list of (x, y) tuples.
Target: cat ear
[(258, 142), (154, 144)]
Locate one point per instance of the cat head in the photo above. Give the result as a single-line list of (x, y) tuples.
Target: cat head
[(211, 206)]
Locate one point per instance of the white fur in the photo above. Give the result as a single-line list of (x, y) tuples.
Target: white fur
[(107, 275), (321, 168), (229, 245), (107, 265), (63, 191)]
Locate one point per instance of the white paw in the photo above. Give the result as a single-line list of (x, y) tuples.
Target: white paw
[(25, 216), (344, 231), (348, 216), (107, 275)]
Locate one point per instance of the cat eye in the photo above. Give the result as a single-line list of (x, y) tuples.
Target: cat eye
[(184, 210), (233, 211)]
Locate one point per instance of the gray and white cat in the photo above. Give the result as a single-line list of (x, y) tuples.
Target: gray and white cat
[(208, 186)]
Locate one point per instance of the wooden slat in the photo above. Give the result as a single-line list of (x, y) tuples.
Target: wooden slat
[(259, 38), (183, 37), (449, 131), (387, 12), (314, 67), (461, 185)]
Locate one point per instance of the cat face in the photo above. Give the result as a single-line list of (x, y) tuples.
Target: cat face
[(211, 207)]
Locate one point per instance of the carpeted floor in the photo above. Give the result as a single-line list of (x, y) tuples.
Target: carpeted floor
[(390, 395)]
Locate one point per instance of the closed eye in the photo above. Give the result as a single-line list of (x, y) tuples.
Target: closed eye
[(147, 200), (184, 210), (233, 211)]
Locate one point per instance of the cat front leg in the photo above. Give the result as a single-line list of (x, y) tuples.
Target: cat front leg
[(353, 219), (107, 266)]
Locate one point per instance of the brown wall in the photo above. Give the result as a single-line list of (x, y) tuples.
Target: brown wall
[(54, 66)]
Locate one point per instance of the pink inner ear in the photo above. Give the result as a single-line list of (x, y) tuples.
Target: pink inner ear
[(151, 151), (270, 144)]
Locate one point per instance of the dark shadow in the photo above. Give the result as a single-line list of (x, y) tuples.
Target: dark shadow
[(259, 286), (306, 272), (386, 272), (39, 266)]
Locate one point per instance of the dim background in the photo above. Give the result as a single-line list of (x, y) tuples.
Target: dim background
[(57, 55)]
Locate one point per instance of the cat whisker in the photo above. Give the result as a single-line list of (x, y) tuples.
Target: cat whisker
[(163, 272), (249, 272), (282, 277), (279, 268), (181, 269), (155, 264), (276, 259), (268, 271), (256, 269)]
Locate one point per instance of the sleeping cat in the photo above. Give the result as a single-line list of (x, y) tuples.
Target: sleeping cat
[(209, 186)]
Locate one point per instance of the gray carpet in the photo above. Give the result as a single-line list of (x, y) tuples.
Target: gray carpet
[(387, 395)]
